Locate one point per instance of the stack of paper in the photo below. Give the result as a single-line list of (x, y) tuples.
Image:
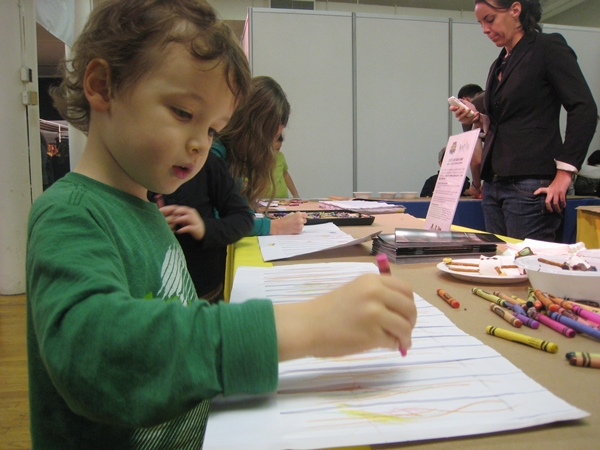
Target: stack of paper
[(449, 385)]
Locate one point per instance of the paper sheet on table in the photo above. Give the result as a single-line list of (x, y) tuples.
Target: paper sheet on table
[(314, 238), (363, 206), (449, 385), (546, 248)]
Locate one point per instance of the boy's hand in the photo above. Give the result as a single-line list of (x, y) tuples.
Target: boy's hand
[(290, 224), (370, 312), (183, 219)]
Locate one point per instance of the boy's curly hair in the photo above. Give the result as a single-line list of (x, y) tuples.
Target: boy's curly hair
[(124, 33)]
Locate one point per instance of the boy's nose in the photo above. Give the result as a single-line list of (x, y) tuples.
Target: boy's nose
[(199, 144)]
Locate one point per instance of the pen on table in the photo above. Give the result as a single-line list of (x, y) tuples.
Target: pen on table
[(448, 298), (384, 269), (522, 338), (506, 316)]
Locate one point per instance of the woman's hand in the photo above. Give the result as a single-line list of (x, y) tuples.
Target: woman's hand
[(462, 113), (556, 193)]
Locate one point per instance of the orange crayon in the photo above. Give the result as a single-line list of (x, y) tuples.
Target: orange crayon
[(549, 305), (448, 298), (585, 360)]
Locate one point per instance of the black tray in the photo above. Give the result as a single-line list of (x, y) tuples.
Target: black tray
[(340, 217)]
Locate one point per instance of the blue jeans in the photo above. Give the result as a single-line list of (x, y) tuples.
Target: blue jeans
[(511, 209)]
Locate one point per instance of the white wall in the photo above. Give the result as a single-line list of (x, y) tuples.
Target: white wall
[(402, 72), (315, 70)]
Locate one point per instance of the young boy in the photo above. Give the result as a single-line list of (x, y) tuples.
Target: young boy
[(121, 352)]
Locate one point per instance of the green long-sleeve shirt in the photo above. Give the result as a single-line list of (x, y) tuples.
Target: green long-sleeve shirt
[(121, 352)]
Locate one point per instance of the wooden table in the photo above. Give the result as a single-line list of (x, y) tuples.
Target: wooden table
[(576, 385)]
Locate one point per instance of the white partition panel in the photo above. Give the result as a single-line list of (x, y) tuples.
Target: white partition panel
[(310, 55), (472, 55), (586, 44), (402, 112)]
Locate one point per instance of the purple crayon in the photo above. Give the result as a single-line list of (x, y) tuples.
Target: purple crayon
[(580, 328), (528, 321)]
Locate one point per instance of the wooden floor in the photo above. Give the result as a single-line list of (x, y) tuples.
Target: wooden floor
[(14, 402)]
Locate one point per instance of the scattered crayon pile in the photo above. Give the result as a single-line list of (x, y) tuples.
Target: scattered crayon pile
[(564, 316)]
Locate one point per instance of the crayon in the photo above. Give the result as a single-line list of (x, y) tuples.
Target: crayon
[(522, 338), (489, 297), (448, 298), (549, 305), (585, 360), (580, 328), (560, 302), (509, 299), (531, 298), (528, 321), (516, 308), (584, 313), (506, 316), (571, 354), (384, 269), (160, 201), (520, 300), (572, 315), (584, 306), (556, 326), (383, 264)]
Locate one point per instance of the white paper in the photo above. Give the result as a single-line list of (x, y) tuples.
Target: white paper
[(449, 385), (363, 206), (314, 238), (451, 179)]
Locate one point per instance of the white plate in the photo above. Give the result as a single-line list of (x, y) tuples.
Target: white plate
[(512, 275)]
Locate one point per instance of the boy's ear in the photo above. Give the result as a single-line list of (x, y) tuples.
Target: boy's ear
[(96, 84)]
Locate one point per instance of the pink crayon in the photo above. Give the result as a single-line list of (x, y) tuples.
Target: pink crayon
[(556, 326), (572, 315), (384, 269), (588, 315)]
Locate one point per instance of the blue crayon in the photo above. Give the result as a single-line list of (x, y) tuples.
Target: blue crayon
[(516, 308), (577, 326)]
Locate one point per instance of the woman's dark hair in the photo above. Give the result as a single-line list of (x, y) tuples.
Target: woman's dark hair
[(531, 12)]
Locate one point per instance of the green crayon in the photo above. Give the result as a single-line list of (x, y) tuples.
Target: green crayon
[(489, 297)]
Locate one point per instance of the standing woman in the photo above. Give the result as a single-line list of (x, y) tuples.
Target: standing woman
[(526, 166), (246, 144)]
